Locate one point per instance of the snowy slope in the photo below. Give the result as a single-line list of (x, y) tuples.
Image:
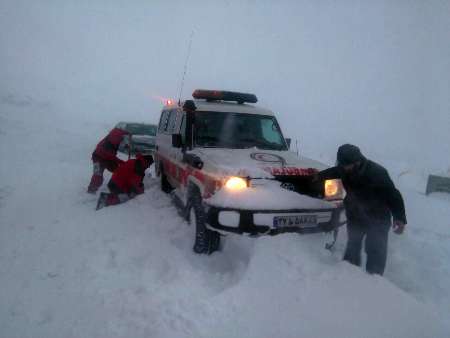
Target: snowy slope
[(128, 271), (372, 73)]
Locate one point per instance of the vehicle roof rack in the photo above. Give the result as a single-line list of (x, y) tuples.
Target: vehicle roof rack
[(221, 95)]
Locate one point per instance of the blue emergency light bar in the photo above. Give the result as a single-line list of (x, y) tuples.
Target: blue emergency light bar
[(221, 95)]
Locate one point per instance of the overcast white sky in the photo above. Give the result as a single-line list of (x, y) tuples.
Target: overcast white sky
[(373, 73)]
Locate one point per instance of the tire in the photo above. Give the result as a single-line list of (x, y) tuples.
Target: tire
[(165, 185), (206, 241)]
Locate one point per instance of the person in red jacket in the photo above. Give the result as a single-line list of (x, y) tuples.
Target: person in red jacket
[(105, 157), (126, 182)]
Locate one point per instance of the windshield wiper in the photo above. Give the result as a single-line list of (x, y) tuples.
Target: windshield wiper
[(261, 144)]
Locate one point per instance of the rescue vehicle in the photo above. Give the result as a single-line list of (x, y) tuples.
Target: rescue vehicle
[(229, 168)]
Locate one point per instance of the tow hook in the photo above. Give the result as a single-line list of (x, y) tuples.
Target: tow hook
[(329, 246)]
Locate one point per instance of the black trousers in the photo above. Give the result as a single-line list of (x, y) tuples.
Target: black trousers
[(376, 242), (114, 188)]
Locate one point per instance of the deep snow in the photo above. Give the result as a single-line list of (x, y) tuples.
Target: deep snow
[(372, 73), (128, 271)]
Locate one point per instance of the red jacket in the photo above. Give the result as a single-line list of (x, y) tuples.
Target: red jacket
[(106, 149), (129, 175)]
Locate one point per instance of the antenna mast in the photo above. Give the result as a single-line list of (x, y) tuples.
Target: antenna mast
[(185, 66)]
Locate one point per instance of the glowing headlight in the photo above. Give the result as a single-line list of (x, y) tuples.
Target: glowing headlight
[(333, 189), (236, 183)]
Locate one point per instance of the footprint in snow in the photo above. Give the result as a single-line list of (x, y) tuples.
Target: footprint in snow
[(5, 191)]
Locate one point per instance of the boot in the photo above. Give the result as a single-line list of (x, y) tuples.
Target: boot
[(101, 203), (96, 182)]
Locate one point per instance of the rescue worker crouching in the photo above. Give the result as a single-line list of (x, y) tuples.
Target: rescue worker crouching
[(105, 157), (371, 202), (126, 181)]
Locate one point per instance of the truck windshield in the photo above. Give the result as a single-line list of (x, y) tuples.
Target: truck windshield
[(237, 130)]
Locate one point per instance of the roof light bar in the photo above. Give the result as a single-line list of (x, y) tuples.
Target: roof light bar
[(216, 95)]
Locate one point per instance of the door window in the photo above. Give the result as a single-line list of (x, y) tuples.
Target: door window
[(172, 122), (183, 128), (163, 122)]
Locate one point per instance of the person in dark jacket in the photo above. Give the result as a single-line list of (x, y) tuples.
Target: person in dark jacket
[(372, 203), (105, 157), (126, 181)]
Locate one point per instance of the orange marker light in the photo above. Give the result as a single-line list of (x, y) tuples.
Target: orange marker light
[(331, 188)]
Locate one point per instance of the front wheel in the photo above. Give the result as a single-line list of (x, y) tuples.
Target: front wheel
[(206, 241)]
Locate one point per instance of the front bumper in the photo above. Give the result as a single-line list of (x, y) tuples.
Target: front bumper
[(249, 221)]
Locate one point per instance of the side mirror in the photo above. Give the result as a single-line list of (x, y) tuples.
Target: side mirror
[(193, 160), (177, 141), (288, 141)]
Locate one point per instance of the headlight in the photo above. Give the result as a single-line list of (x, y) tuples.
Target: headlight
[(236, 183), (333, 189)]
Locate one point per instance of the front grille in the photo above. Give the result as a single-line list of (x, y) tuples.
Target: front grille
[(302, 184)]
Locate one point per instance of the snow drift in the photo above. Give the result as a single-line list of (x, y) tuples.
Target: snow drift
[(67, 270), (374, 74)]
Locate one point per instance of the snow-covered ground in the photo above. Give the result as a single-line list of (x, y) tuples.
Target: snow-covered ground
[(67, 270), (371, 73)]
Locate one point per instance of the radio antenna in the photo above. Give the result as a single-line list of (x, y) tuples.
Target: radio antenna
[(185, 66)]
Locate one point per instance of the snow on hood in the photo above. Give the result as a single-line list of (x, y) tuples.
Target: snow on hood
[(267, 196), (254, 162)]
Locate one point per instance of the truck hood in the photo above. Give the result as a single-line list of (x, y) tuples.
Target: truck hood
[(254, 162)]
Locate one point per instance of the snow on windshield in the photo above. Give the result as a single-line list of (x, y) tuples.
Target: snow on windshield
[(236, 130)]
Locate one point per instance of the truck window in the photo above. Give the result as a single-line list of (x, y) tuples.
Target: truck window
[(163, 121), (183, 128), (270, 131), (172, 122)]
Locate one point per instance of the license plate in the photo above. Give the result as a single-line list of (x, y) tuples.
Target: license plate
[(302, 221)]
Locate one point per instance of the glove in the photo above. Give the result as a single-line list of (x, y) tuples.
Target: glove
[(398, 227)]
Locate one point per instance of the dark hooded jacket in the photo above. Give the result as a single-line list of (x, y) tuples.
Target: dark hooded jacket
[(371, 194)]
